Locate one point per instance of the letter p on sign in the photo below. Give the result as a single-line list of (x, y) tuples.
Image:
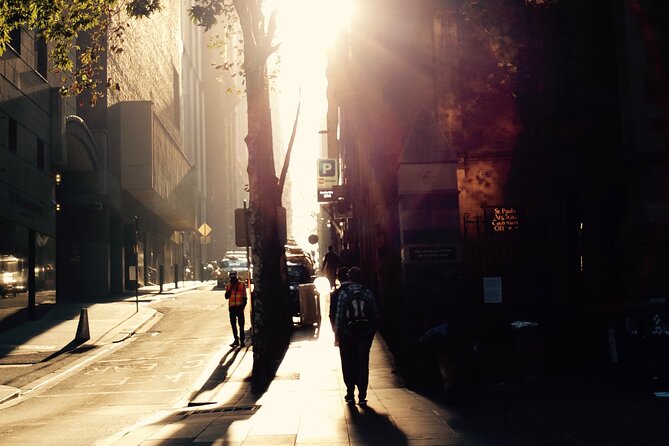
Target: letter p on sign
[(326, 168), (328, 173)]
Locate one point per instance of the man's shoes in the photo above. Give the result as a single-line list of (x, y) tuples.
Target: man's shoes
[(362, 402), (349, 398), (235, 344), (241, 343)]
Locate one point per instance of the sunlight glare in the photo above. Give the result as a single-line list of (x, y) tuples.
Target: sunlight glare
[(305, 31), (323, 286), (313, 23)]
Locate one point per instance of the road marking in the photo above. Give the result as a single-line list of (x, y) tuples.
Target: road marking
[(61, 395), (176, 377), (134, 359), (29, 347), (192, 364), (147, 358)]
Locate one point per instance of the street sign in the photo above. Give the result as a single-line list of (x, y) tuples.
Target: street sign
[(241, 227), (242, 230), (325, 195), (435, 253), (328, 173), (204, 229)]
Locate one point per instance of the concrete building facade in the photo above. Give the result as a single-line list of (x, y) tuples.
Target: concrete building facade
[(32, 141), (110, 196)]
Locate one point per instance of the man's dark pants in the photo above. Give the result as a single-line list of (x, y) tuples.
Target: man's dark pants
[(237, 315), (354, 353)]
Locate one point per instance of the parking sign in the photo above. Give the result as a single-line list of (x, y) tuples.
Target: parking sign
[(328, 173)]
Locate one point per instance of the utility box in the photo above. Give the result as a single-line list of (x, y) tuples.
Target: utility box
[(310, 304)]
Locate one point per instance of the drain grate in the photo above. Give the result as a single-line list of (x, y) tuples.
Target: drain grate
[(224, 409)]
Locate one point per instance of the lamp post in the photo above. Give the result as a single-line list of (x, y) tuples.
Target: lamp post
[(136, 264)]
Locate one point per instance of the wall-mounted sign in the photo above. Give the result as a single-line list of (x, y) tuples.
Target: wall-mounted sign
[(328, 173), (504, 219), (430, 253), (492, 290), (325, 195)]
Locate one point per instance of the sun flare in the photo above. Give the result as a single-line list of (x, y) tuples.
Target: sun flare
[(311, 23), (306, 29)]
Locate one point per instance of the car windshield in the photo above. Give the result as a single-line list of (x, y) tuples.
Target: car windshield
[(298, 274), (234, 263)]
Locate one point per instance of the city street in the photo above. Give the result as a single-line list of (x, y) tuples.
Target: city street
[(158, 368)]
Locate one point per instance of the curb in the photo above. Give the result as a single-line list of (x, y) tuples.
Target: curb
[(14, 396), (8, 393)]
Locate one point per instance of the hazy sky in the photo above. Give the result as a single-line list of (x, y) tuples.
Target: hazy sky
[(305, 29)]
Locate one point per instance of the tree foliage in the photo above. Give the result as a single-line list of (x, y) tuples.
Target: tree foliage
[(62, 22)]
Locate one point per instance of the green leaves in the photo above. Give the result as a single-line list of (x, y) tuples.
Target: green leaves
[(142, 8), (207, 12), (62, 22)]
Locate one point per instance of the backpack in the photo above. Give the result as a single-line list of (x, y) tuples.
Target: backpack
[(359, 313)]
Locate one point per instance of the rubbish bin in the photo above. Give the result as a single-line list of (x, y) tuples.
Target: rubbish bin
[(310, 304)]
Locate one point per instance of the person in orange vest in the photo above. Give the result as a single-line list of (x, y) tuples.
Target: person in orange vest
[(235, 293)]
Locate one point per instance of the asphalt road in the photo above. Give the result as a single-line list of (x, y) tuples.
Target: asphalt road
[(156, 370)]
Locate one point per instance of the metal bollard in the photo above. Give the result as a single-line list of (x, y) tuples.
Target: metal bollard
[(176, 276), (161, 276)]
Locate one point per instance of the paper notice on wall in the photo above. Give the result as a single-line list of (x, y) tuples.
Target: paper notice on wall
[(492, 290)]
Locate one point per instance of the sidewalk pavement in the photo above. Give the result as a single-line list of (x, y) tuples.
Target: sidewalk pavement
[(67, 329), (304, 404)]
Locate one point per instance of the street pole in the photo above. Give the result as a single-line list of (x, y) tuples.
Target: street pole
[(136, 264), (248, 260)]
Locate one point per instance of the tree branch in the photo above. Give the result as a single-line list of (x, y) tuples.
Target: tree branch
[(286, 161)]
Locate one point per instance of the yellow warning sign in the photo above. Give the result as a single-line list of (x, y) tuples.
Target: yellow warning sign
[(204, 229)]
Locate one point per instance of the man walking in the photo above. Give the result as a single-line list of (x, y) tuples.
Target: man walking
[(342, 275), (359, 319), (235, 293), (330, 264)]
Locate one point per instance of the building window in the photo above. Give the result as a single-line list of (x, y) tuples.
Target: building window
[(12, 142), (15, 40), (40, 154), (40, 56)]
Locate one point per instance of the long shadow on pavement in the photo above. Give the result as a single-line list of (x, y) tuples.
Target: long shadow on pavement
[(366, 426), (219, 375), (229, 422)]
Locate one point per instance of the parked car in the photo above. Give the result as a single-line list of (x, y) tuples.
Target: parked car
[(13, 277), (299, 275), (233, 263)]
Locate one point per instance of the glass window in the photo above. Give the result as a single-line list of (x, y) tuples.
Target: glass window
[(41, 56), (15, 40), (45, 267), (13, 260)]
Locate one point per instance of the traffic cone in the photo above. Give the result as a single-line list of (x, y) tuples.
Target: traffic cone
[(83, 333)]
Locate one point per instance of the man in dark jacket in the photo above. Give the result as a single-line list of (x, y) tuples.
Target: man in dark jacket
[(358, 314), (330, 264), (342, 275)]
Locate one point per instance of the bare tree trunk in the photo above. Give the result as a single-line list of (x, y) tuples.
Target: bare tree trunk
[(271, 318)]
